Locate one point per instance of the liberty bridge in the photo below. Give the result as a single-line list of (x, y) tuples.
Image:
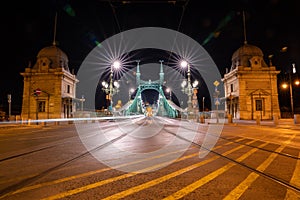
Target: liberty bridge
[(159, 105)]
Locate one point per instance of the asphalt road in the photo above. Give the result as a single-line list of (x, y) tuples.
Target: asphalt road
[(150, 158)]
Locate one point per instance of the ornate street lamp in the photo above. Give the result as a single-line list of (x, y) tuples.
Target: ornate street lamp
[(187, 87), (131, 91), (113, 87), (170, 93)]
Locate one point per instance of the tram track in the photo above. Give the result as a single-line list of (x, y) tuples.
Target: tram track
[(145, 122), (6, 191), (57, 143), (238, 142), (261, 173)]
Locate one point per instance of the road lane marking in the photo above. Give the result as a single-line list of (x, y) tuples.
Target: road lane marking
[(32, 187), (100, 183), (295, 180), (238, 191), (83, 175), (167, 177), (158, 180), (102, 170), (190, 188)]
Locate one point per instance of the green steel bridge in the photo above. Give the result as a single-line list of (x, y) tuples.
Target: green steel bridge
[(162, 107)]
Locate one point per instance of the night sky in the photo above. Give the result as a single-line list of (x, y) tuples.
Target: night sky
[(27, 27)]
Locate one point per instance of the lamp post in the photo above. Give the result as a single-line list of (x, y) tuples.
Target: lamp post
[(9, 105), (203, 99), (82, 100), (170, 93), (187, 87), (188, 90), (290, 85), (113, 87), (130, 93)]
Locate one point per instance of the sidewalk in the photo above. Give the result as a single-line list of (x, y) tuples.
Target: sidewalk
[(13, 124), (282, 123)]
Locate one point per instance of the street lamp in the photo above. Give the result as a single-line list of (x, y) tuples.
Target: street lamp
[(290, 85), (170, 93), (113, 87), (9, 105), (82, 100), (203, 100), (130, 93), (187, 87)]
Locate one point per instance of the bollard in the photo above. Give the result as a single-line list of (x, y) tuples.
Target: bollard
[(229, 116), (296, 118), (258, 120), (202, 120), (275, 120)]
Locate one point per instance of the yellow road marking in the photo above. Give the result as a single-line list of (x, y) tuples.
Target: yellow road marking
[(82, 175), (106, 169), (190, 188), (89, 173), (238, 191), (100, 183), (167, 177), (295, 180), (158, 180)]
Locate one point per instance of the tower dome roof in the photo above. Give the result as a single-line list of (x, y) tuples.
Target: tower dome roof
[(247, 50), (243, 55), (52, 51), (56, 56)]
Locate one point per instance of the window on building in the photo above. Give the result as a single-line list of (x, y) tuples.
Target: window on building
[(41, 106), (68, 89), (231, 87), (259, 105)]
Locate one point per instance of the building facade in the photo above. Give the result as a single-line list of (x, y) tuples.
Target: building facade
[(251, 86), (49, 87)]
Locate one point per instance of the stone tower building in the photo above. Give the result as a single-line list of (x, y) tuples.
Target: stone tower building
[(49, 87), (251, 85)]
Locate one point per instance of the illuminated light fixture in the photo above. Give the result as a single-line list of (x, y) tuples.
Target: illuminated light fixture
[(294, 68), (183, 84), (183, 64), (116, 84), (283, 49), (195, 84), (284, 85), (104, 84), (297, 82), (116, 64)]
